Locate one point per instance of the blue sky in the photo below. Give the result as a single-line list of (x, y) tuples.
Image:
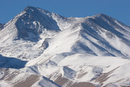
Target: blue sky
[(118, 9)]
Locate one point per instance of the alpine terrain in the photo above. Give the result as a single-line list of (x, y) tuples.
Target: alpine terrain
[(43, 49)]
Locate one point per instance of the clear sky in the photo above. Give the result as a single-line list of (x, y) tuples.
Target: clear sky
[(118, 9)]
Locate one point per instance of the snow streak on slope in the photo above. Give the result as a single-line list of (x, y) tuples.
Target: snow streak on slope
[(70, 51)]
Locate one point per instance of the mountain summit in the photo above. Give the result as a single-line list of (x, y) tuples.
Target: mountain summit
[(73, 52)]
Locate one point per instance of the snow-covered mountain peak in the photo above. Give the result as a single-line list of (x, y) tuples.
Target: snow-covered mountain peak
[(70, 51), (31, 22), (31, 8), (100, 15)]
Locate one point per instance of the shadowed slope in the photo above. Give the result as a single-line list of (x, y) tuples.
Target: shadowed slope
[(6, 62)]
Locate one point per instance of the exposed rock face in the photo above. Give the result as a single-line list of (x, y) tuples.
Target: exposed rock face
[(1, 26)]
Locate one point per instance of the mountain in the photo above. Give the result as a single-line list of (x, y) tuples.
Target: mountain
[(92, 51)]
